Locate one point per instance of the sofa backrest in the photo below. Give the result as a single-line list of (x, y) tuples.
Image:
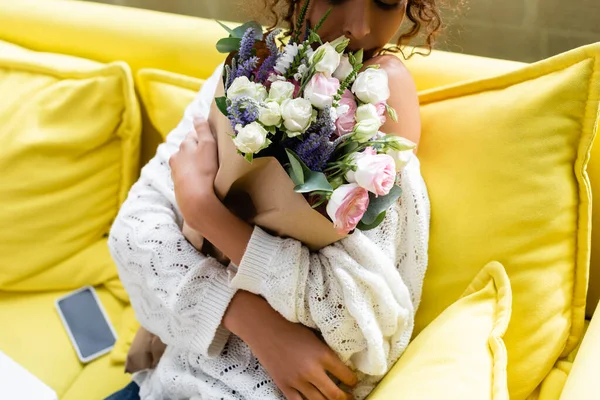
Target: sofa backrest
[(185, 45)]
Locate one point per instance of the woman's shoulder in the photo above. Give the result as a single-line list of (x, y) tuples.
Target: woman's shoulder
[(397, 71)]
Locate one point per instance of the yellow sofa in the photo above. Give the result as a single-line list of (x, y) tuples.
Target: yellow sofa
[(30, 330)]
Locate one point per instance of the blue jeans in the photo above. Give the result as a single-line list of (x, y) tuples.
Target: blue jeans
[(131, 392)]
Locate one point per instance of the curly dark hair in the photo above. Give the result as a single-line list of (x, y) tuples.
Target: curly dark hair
[(424, 16)]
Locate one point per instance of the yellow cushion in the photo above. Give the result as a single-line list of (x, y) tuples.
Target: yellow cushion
[(97, 381), (33, 335), (505, 163), (460, 355), (165, 96), (69, 133), (129, 327)]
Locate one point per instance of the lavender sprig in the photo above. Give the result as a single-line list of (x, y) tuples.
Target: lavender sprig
[(269, 63), (317, 148), (246, 68), (246, 45), (243, 111)]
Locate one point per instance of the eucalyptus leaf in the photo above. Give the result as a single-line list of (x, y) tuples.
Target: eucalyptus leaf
[(377, 205), (313, 182), (241, 30), (228, 29), (296, 167), (293, 177), (374, 224), (222, 105), (228, 45)]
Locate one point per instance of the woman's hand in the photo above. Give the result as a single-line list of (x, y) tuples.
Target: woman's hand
[(291, 353), (193, 169)]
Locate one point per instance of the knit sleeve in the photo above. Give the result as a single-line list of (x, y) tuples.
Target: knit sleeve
[(360, 293), (177, 293)]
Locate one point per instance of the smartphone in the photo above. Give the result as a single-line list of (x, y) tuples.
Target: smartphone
[(87, 323)]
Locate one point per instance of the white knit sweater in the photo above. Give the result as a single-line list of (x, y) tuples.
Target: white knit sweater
[(360, 293)]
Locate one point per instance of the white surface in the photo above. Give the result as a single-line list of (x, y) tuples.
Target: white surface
[(16, 383)]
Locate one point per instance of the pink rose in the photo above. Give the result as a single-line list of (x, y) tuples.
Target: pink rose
[(345, 122), (320, 90), (374, 172), (347, 206), (380, 107)]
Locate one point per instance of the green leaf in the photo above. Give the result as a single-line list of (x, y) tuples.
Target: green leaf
[(313, 182), (304, 178), (222, 105), (392, 113), (374, 224), (241, 30), (228, 29), (249, 157), (323, 19), (296, 167), (228, 45), (378, 205)]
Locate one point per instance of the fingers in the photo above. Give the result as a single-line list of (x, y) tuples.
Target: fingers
[(312, 393), (202, 127), (291, 394), (340, 370), (329, 389)]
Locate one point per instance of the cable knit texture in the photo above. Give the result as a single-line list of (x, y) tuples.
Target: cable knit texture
[(360, 293)]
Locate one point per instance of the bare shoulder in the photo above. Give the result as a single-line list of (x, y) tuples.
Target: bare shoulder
[(403, 97), (397, 71)]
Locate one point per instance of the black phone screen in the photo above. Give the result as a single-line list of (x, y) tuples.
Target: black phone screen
[(88, 326)]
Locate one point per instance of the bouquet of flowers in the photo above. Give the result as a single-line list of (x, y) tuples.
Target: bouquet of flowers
[(300, 148)]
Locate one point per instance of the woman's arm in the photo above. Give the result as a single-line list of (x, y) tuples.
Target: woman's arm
[(351, 291), (177, 293)]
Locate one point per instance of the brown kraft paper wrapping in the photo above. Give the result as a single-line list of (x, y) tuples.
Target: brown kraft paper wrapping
[(262, 193)]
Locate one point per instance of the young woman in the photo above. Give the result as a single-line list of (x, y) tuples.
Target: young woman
[(245, 332)]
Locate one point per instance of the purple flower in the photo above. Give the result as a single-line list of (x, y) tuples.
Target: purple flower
[(269, 63), (246, 45), (317, 148), (246, 68), (243, 110)]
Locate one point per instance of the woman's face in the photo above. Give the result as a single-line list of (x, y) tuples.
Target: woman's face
[(369, 24)]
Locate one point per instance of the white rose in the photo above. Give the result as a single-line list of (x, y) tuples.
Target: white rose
[(270, 113), (329, 59), (371, 86), (250, 138), (281, 90), (296, 114), (344, 69), (242, 87), (401, 158)]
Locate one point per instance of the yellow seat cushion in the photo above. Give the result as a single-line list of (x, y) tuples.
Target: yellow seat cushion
[(165, 96), (69, 133), (505, 163), (33, 335), (460, 355), (97, 381)]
